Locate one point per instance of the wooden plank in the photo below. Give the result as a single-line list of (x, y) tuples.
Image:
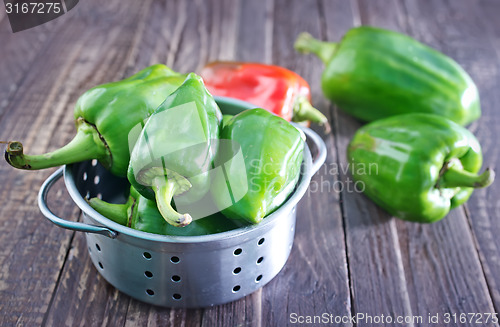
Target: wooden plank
[(255, 44), (18, 52), (32, 251), (379, 248), (457, 271), (83, 297), (442, 270), (142, 314), (482, 60), (185, 36)]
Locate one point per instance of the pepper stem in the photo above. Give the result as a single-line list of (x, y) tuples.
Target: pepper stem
[(304, 111), (306, 43), (455, 176), (87, 144), (165, 190), (119, 213)]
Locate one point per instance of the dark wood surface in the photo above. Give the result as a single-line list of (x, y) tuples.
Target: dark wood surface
[(349, 257)]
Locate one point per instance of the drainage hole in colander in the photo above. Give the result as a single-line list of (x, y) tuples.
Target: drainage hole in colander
[(85, 176), (147, 255), (175, 259), (238, 251), (177, 296), (258, 278), (261, 241), (176, 278), (260, 260), (100, 265), (97, 179), (148, 274), (98, 247), (236, 288), (150, 292), (94, 162), (99, 196), (237, 270)]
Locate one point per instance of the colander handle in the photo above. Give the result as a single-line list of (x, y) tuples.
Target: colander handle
[(320, 156), (76, 226)]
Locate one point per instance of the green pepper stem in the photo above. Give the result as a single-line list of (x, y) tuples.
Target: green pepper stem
[(119, 213), (306, 43), (87, 144), (304, 111), (165, 189), (455, 176)]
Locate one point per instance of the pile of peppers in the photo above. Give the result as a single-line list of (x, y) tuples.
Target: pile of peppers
[(414, 158), (165, 133)]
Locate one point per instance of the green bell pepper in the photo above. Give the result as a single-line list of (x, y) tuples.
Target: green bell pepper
[(272, 149), (417, 166), (176, 149), (104, 116), (226, 119), (142, 214), (374, 73)]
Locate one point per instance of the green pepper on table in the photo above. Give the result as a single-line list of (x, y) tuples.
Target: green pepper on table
[(374, 73), (104, 116), (142, 214), (176, 149), (417, 166), (272, 149)]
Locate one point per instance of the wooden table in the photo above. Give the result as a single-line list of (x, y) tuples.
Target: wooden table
[(349, 257)]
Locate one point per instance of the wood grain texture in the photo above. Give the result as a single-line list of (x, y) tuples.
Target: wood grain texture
[(19, 51), (480, 56), (255, 31), (348, 257), (443, 254), (32, 251), (378, 243)]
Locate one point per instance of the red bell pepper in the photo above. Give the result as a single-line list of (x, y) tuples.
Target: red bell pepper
[(274, 88)]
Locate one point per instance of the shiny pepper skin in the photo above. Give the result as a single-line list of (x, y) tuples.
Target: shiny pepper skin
[(104, 116), (417, 166)]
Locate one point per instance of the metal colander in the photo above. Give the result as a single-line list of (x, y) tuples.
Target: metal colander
[(181, 271)]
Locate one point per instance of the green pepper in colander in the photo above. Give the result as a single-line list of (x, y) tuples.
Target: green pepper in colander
[(104, 116), (272, 150), (142, 214), (175, 151), (417, 166)]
